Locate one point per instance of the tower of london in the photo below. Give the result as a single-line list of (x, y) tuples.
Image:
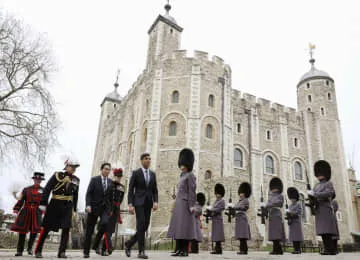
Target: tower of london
[(187, 100)]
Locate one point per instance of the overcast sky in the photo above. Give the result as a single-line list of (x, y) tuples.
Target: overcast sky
[(264, 42)]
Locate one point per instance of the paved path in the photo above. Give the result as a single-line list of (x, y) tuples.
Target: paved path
[(156, 255)]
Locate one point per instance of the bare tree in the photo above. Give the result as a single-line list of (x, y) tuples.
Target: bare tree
[(28, 119)]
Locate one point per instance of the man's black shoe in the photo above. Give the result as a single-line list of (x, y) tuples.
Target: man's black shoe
[(18, 254), (38, 255), (86, 255), (127, 250), (142, 255), (177, 253), (62, 255), (29, 251)]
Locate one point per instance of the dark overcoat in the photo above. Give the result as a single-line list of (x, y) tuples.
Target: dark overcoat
[(217, 222), (325, 218), (183, 221), (242, 228), (276, 224), (295, 223), (335, 206), (198, 214), (29, 216)]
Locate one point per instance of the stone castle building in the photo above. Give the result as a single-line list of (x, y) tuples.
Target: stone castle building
[(180, 101)]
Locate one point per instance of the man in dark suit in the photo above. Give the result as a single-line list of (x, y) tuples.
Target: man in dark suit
[(142, 197), (98, 204)]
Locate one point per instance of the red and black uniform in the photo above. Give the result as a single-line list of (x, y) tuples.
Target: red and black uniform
[(117, 198), (29, 216), (59, 211)]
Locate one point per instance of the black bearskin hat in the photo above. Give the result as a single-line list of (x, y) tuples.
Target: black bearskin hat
[(200, 197), (276, 183), (219, 189), (245, 188), (186, 158), (293, 193), (322, 168)]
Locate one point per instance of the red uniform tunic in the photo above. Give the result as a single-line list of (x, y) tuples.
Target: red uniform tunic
[(29, 217)]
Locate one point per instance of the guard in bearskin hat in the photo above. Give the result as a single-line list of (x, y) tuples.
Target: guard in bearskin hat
[(28, 214), (217, 225), (294, 213), (118, 191), (183, 222), (336, 237), (274, 206), (325, 217), (64, 186), (242, 228), (200, 202)]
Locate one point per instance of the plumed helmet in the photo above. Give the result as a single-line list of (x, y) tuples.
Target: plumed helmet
[(200, 197), (118, 172), (186, 158), (219, 189), (71, 161), (39, 176), (293, 193), (322, 168), (276, 183), (245, 188)]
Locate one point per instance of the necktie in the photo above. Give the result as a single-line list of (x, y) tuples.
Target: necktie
[(104, 184), (147, 177)]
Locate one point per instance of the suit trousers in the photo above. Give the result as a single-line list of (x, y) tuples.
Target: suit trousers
[(143, 214), (90, 226), (243, 245), (21, 242)]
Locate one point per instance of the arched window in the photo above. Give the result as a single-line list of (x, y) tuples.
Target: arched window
[(329, 96), (309, 109), (211, 100), (175, 96), (172, 129), (322, 111), (298, 171), (238, 128), (208, 175), (238, 158), (303, 213), (296, 142), (309, 98), (209, 131), (268, 135), (269, 165), (308, 85)]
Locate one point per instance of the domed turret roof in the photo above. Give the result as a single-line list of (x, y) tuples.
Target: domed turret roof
[(113, 95), (314, 73)]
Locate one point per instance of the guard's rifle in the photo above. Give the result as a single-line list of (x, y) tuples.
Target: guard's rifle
[(262, 212), (312, 201), (229, 212), (207, 213)]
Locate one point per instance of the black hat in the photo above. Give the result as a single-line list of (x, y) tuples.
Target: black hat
[(186, 158), (219, 189), (322, 168), (245, 188), (276, 183), (39, 176), (293, 193), (200, 197), (118, 172)]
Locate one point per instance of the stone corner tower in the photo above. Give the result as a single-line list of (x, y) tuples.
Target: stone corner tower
[(164, 37), (318, 105)]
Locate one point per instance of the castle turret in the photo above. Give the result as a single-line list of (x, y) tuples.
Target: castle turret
[(164, 37), (109, 106), (317, 103)]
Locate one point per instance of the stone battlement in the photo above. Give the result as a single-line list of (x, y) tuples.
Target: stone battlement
[(201, 56), (265, 105)]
